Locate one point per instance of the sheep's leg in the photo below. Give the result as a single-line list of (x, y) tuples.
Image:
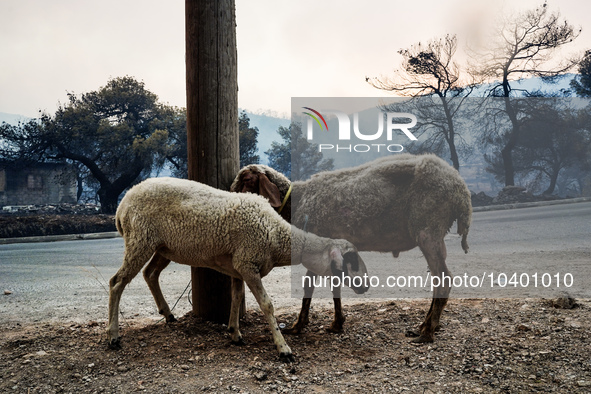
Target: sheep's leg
[(433, 248), (152, 274), (434, 314), (339, 317), (302, 320), (413, 333), (134, 259), (437, 327), (303, 317), (256, 287), (234, 323)]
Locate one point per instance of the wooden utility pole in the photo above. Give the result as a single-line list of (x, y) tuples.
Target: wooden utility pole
[(212, 125)]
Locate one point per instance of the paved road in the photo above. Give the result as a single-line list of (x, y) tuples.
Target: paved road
[(534, 243), (68, 280)]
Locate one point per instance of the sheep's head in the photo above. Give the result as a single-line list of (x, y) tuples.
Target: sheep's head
[(252, 179), (346, 262)]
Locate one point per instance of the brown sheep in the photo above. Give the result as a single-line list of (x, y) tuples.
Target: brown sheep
[(391, 204)]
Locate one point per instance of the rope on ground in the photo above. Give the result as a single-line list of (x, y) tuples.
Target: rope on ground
[(178, 299)]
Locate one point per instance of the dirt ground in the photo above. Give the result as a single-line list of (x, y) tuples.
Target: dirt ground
[(502, 345)]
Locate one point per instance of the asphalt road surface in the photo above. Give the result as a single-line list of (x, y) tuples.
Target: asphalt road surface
[(547, 248)]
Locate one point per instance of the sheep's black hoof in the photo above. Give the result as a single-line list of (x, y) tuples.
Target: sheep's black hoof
[(115, 344), (296, 329), (335, 328), (421, 336), (239, 342), (286, 357), (170, 318), (423, 339)]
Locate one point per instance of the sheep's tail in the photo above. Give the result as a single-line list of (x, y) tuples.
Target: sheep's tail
[(465, 242), (118, 225), (464, 218)]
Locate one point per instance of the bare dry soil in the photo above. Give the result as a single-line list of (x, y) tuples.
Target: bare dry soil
[(491, 345)]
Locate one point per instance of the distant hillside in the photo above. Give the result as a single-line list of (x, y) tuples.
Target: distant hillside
[(533, 84), (12, 118), (267, 126)]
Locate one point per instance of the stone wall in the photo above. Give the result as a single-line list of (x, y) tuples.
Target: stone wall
[(44, 183)]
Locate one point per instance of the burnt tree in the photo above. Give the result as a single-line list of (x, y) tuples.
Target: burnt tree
[(522, 47)]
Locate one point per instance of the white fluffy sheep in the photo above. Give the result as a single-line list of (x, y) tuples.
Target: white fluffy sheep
[(391, 204), (168, 219)]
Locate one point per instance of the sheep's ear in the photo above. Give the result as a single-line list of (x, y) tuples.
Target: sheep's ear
[(336, 259), (351, 259), (269, 190)]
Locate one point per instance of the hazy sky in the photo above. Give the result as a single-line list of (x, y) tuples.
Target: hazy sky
[(285, 48)]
